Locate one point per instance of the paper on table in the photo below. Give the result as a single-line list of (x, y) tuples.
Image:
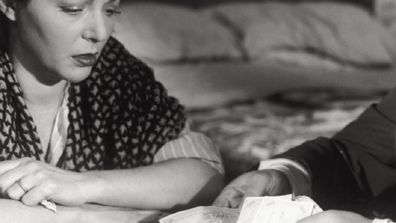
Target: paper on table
[(277, 209), (316, 209), (210, 214)]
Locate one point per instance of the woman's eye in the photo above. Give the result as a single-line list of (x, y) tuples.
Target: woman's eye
[(72, 10), (112, 12)]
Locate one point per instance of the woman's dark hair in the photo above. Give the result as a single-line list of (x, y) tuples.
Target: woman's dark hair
[(4, 25), (3, 32)]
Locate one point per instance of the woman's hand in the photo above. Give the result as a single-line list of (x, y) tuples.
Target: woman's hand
[(333, 216), (33, 181), (255, 183)]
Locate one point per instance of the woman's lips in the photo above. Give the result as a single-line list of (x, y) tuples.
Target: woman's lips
[(85, 60)]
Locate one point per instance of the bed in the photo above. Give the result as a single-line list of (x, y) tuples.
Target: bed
[(260, 77)]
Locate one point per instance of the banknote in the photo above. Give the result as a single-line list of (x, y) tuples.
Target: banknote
[(276, 209), (209, 214)]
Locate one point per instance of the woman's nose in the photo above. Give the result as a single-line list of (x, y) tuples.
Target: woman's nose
[(96, 31)]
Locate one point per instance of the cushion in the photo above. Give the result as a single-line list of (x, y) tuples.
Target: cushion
[(342, 32), (385, 12), (304, 59), (167, 33)]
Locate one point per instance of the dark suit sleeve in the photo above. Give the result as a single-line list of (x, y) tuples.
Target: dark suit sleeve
[(356, 164), (333, 184)]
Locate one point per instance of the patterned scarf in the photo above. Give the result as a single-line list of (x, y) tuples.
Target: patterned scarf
[(119, 116)]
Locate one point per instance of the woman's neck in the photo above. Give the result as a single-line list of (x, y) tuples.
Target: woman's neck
[(35, 92)]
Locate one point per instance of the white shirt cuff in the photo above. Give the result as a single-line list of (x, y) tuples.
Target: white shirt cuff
[(297, 175)]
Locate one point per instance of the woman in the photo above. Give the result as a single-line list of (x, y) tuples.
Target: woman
[(90, 118)]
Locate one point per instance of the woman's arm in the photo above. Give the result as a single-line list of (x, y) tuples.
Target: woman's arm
[(173, 184)]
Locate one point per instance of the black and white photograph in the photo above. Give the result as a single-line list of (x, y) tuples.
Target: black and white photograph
[(197, 111)]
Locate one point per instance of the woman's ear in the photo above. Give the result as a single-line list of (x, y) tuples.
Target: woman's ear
[(7, 7)]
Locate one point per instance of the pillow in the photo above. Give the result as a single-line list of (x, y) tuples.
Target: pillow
[(161, 32), (305, 59), (342, 32), (385, 12), (356, 36)]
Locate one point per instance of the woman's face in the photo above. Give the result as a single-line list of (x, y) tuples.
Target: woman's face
[(62, 38)]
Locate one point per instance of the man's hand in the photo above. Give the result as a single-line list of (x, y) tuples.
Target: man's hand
[(32, 181), (255, 183), (335, 217)]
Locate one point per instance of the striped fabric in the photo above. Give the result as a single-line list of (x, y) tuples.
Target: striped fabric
[(194, 145), (189, 144), (59, 131)]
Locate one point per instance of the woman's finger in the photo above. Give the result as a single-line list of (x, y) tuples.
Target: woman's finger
[(34, 196), (20, 187), (13, 175), (16, 191)]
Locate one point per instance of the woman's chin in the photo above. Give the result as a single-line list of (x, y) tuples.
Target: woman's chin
[(78, 75)]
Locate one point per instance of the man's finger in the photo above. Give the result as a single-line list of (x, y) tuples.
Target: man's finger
[(222, 199), (230, 197), (221, 202)]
